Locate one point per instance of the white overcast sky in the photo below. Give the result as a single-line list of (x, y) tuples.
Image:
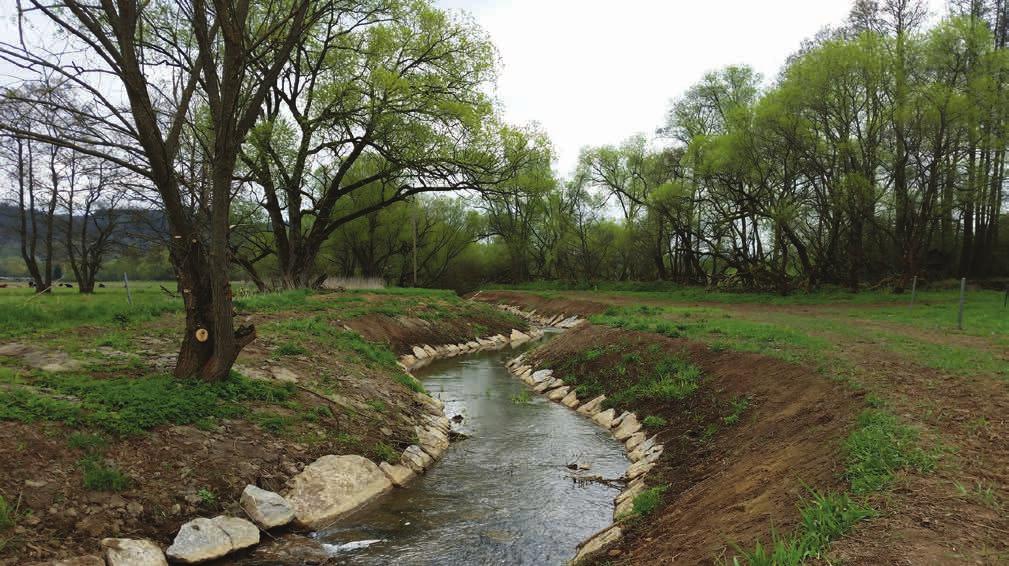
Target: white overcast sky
[(595, 72)]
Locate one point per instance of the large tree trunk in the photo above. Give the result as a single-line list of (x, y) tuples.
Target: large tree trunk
[(211, 344)]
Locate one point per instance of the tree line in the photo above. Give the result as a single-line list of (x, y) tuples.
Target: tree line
[(878, 155)]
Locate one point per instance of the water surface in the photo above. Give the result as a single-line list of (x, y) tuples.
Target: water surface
[(502, 496)]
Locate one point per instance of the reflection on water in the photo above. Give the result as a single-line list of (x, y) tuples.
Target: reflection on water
[(502, 496)]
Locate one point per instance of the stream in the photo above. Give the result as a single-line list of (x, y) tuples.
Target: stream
[(502, 496)]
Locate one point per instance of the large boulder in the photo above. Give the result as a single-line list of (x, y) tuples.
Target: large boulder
[(605, 418), (416, 459), (204, 539), (598, 542), (558, 393), (333, 486), (432, 440), (592, 407), (132, 552), (570, 400), (628, 426), (399, 475), (266, 508), (542, 375)]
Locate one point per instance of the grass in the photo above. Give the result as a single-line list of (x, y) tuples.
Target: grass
[(648, 501), (824, 518), (737, 407), (128, 406), (523, 397), (652, 421), (86, 441), (207, 496), (880, 447), (386, 453), (673, 378), (8, 514), (290, 349), (101, 476)]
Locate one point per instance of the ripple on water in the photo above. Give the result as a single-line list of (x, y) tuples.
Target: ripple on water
[(502, 496)]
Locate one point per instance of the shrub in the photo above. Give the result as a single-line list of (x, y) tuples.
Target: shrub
[(8, 515)]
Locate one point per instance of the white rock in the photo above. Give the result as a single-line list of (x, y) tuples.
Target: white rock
[(432, 440), (558, 393), (605, 418), (397, 474), (634, 441), (266, 508), (599, 541), (542, 375), (628, 426), (204, 539), (132, 552), (632, 490), (420, 353), (416, 459), (592, 407), (570, 400), (618, 420), (408, 360), (638, 469), (333, 486), (431, 352), (547, 385)]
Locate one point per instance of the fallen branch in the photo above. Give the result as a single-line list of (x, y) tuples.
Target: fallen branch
[(609, 482)]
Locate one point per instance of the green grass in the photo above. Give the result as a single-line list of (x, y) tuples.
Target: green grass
[(23, 313), (386, 453), (648, 500), (737, 407), (128, 406), (825, 518), (652, 421), (880, 447), (523, 397), (672, 379), (8, 515), (86, 441), (100, 476), (207, 496), (290, 349)]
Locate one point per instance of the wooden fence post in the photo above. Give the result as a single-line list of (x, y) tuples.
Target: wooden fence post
[(129, 296)]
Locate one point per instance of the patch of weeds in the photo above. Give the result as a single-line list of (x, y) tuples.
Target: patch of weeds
[(878, 448), (377, 405), (824, 518), (8, 514), (709, 432), (207, 496), (523, 397), (206, 423), (86, 441), (673, 379), (648, 500), (409, 381), (272, 421), (652, 421), (117, 340), (984, 494), (875, 401), (737, 407), (386, 453), (321, 412), (100, 476), (290, 349)]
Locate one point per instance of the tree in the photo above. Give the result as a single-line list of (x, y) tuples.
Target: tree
[(187, 72), (394, 99), (92, 217)]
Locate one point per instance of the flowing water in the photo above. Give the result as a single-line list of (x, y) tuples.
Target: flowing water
[(502, 496)]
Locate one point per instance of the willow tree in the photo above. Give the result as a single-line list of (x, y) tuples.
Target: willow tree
[(160, 72), (397, 105)]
